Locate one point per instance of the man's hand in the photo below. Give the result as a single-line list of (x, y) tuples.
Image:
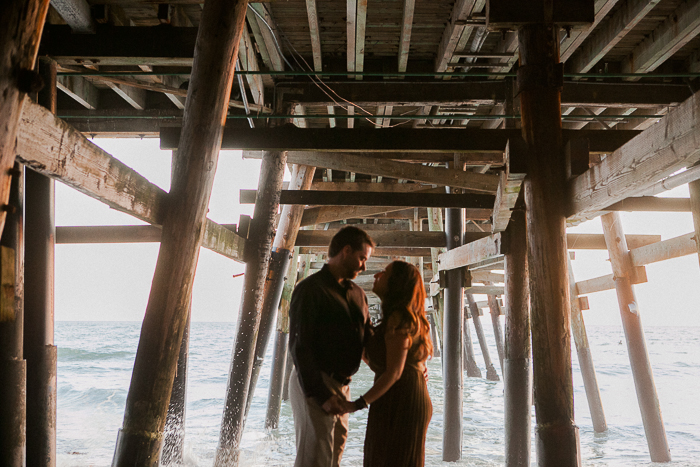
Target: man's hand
[(333, 405)]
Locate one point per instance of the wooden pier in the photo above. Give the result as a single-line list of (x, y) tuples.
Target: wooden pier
[(464, 136)]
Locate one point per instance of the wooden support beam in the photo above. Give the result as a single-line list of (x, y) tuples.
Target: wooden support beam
[(248, 60), (80, 90), (392, 252), (597, 241), (461, 10), (660, 151), (314, 32), (634, 336), (651, 204), (453, 93), (51, 147), (394, 238), (363, 198), (351, 19), (360, 32), (373, 187), (678, 29), (135, 97), (610, 32), (23, 22), (574, 38), (268, 40), (406, 28), (663, 250), (509, 184), (139, 440), (76, 14), (471, 253), (485, 290), (470, 181), (599, 284)]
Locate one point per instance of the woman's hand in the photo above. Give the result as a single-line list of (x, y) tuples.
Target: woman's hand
[(348, 407)]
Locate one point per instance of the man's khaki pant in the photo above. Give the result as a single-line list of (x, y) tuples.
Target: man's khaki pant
[(320, 436)]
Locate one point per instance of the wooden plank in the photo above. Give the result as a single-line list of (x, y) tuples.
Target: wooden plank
[(359, 198), (53, 148), (504, 14), (473, 182), (76, 14), (659, 251), (248, 60), (508, 191), (485, 290), (375, 187), (135, 97), (406, 28), (453, 93), (267, 35), (599, 284), (468, 159), (452, 33), (23, 22), (287, 138), (678, 29), (651, 204), (321, 215), (471, 253), (630, 13), (661, 150), (80, 90), (392, 252), (576, 37), (597, 241), (360, 30), (315, 34), (351, 19), (394, 238), (487, 276)]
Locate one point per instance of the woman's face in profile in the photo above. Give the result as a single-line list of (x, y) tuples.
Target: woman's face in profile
[(381, 282)]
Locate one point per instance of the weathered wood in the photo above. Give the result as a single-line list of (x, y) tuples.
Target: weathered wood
[(576, 37), (634, 336), (651, 204), (597, 241), (506, 15), (615, 28), (282, 246), (471, 253), (599, 284), (392, 238), (368, 186), (23, 22), (13, 400), (694, 189), (257, 258), (360, 31), (76, 14), (508, 191), (135, 97), (51, 147), (451, 35), (663, 250), (287, 138), (314, 33), (453, 342), (663, 149), (585, 359), (81, 90), (491, 374), (378, 198), (406, 28), (487, 276), (184, 223), (473, 182), (557, 437), (484, 289), (351, 19), (495, 312), (675, 32)]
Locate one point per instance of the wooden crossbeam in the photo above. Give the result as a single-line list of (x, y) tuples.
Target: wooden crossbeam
[(406, 28), (487, 248), (576, 37), (678, 29), (314, 32), (80, 90), (50, 146), (359, 198), (399, 140), (391, 252), (453, 32), (651, 204), (76, 14), (394, 238), (599, 284), (630, 13), (661, 150), (451, 93), (485, 289), (508, 190), (597, 241), (663, 250)]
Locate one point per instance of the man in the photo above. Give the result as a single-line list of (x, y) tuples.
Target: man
[(328, 321)]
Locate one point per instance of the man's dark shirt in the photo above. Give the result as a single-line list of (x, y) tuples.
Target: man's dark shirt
[(328, 322)]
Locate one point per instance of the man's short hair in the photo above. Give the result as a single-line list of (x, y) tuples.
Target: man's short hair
[(349, 235)]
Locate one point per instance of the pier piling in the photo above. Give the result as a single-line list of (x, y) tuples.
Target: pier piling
[(452, 343), (634, 336), (491, 373)]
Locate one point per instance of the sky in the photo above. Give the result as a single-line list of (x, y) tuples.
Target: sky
[(111, 282)]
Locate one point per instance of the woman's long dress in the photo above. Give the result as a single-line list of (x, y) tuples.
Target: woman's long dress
[(398, 421)]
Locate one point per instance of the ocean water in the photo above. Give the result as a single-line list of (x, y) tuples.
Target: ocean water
[(94, 371)]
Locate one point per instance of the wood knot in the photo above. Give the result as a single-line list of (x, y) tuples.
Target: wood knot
[(29, 81)]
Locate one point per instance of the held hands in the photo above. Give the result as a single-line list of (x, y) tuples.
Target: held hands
[(335, 405)]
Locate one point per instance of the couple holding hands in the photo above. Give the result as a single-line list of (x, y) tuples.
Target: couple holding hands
[(330, 333)]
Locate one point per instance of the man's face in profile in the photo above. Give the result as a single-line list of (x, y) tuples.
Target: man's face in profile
[(354, 260)]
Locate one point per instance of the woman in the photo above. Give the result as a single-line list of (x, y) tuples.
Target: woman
[(400, 407)]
